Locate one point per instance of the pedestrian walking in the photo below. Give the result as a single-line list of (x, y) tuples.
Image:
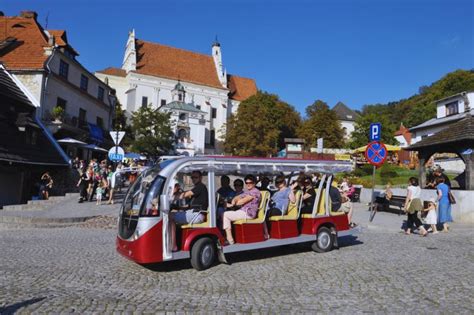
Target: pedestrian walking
[(444, 204), (431, 217), (83, 184), (99, 191), (413, 204), (46, 185)]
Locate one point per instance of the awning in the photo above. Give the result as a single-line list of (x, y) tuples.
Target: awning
[(133, 155), (388, 146), (93, 147), (71, 141), (96, 133)]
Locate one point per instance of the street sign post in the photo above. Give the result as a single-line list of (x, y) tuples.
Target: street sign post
[(375, 131), (117, 136), (375, 154), (116, 154)]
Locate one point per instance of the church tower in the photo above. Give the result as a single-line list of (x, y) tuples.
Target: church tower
[(217, 56), (178, 94), (130, 57)]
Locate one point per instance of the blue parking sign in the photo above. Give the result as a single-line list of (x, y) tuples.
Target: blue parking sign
[(375, 131)]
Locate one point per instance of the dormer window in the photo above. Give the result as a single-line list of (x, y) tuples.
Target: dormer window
[(452, 108)]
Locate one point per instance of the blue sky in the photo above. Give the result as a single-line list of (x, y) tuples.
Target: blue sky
[(357, 52)]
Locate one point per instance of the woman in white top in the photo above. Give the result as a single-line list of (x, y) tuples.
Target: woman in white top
[(413, 204)]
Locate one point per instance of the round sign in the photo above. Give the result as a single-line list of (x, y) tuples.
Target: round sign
[(116, 154), (376, 153)]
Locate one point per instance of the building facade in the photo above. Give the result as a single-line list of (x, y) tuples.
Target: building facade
[(45, 62), (150, 75), (449, 110), (346, 117)]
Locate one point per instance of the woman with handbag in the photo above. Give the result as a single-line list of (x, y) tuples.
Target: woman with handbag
[(413, 204), (444, 203)]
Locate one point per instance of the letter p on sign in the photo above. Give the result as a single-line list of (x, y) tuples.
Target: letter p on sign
[(375, 131)]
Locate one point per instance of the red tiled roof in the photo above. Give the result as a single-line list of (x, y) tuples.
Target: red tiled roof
[(60, 37), (114, 71), (27, 52), (241, 88), (174, 63), (403, 131)]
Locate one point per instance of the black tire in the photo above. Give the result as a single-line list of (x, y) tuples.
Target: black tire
[(203, 253), (324, 241)]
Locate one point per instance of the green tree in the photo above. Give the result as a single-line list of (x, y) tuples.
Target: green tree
[(321, 122), (151, 131), (360, 136), (119, 122), (260, 125)]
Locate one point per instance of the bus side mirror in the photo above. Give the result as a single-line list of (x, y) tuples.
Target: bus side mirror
[(164, 203)]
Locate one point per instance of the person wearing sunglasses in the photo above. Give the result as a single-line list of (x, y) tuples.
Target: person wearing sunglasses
[(249, 201), (199, 200)]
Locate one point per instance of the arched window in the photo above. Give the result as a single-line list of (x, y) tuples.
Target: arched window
[(182, 116)]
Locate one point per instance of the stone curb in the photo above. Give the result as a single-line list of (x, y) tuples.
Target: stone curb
[(35, 220)]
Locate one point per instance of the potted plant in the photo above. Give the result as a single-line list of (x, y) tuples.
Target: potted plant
[(58, 113)]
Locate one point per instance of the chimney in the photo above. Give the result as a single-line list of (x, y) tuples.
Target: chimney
[(29, 14)]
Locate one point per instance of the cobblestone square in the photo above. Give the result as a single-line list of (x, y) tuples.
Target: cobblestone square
[(75, 269)]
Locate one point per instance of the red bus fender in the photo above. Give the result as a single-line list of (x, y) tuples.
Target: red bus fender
[(190, 235)]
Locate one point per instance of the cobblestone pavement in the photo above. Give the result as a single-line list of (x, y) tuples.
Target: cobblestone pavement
[(76, 269)]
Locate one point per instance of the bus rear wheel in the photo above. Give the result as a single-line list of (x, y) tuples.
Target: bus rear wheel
[(324, 241), (203, 253)]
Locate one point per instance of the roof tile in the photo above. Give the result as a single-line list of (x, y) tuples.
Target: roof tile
[(241, 88)]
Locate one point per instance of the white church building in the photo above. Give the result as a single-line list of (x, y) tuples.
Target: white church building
[(194, 87)]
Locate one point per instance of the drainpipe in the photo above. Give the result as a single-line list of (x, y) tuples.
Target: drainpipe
[(45, 83)]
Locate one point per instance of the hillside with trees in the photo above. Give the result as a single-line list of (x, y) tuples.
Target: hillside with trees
[(411, 111)]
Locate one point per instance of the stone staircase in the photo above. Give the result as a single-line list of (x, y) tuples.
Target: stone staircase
[(41, 204)]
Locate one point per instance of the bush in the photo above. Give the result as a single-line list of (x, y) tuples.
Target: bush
[(364, 170), (387, 173)]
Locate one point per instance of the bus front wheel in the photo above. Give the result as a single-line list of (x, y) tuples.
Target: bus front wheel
[(203, 253), (324, 242)]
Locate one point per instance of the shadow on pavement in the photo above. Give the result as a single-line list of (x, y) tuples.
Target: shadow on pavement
[(12, 309), (169, 266)]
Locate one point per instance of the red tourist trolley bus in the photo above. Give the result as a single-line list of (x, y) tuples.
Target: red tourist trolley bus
[(144, 228)]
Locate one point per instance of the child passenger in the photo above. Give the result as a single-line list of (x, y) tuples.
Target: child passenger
[(431, 217)]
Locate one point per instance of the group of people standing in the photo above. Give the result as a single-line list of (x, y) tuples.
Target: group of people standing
[(414, 204), (95, 180)]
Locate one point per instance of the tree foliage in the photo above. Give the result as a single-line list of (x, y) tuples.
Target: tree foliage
[(119, 123), (151, 130), (321, 122), (260, 125), (411, 111)]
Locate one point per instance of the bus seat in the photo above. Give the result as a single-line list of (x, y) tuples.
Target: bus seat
[(262, 207), (203, 224), (293, 209)]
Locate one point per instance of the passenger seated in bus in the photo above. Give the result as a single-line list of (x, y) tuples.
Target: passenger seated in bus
[(340, 203), (225, 194), (281, 198), (263, 182), (238, 186), (309, 195), (198, 201), (249, 200)]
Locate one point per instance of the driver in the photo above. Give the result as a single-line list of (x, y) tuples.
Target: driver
[(198, 201)]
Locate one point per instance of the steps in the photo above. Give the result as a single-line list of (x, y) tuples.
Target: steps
[(33, 205)]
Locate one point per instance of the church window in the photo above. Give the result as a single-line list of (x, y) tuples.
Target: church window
[(163, 102), (214, 112), (198, 107), (182, 116), (180, 97), (144, 101)]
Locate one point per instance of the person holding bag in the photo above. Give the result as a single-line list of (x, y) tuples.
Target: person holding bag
[(444, 204), (413, 204)]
